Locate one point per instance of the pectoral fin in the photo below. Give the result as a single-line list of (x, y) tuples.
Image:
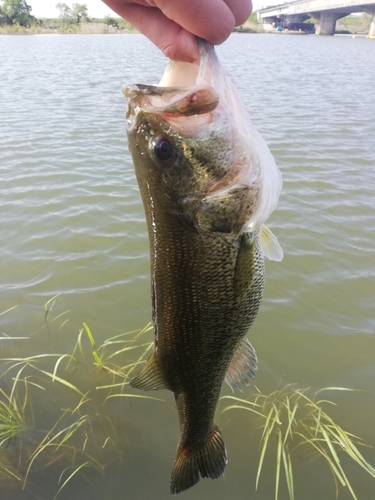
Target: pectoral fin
[(270, 246), (243, 365), (150, 377), (227, 210)]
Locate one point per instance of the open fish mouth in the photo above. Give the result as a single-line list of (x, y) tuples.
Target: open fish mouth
[(173, 101), (173, 105), (185, 91)]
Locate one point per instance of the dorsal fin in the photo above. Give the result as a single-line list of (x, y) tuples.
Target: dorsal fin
[(270, 246)]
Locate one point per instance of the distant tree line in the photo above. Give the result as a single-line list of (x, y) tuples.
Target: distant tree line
[(111, 21), (16, 12), (74, 14)]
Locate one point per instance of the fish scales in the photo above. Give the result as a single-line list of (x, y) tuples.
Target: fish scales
[(207, 188)]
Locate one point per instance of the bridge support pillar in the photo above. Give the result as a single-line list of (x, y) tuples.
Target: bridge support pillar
[(372, 26), (326, 23)]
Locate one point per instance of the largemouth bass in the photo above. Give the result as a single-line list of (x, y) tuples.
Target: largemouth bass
[(208, 183)]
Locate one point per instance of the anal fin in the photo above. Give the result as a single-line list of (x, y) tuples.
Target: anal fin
[(243, 365), (150, 377)]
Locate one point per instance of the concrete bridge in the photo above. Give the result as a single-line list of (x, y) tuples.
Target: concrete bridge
[(326, 12)]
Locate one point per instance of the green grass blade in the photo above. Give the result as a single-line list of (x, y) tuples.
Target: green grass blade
[(93, 345), (318, 422), (7, 337), (239, 400), (348, 389), (315, 444), (278, 464), (89, 334), (128, 348), (240, 407), (69, 356), (8, 310), (140, 359), (264, 440), (268, 418), (47, 307), (337, 461), (139, 396), (349, 447), (76, 470), (145, 329), (54, 378), (291, 415), (287, 460)]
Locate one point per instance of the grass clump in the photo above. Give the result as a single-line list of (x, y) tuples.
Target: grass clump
[(12, 417), (292, 421), (57, 411), (53, 406)]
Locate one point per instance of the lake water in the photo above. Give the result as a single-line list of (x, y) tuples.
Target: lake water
[(72, 225)]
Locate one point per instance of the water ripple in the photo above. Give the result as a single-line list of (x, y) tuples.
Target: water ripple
[(70, 211)]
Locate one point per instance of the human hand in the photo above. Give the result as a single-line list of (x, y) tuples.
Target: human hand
[(173, 25)]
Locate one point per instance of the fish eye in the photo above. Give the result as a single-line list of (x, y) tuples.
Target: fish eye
[(163, 149)]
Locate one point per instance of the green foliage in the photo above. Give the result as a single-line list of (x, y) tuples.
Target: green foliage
[(354, 24), (111, 21), (253, 18), (125, 25), (249, 26), (17, 11), (80, 12), (4, 19), (12, 416), (83, 386), (76, 433), (74, 14), (356, 20), (293, 423)]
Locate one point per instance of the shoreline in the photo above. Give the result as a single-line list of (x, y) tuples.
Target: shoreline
[(103, 30), (51, 27), (128, 32)]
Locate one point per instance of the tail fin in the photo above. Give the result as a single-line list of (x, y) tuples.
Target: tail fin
[(207, 461)]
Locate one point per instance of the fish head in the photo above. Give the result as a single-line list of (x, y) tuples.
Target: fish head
[(180, 143), (191, 145)]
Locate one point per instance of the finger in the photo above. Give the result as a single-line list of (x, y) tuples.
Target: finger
[(241, 10), (212, 20), (175, 42)]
